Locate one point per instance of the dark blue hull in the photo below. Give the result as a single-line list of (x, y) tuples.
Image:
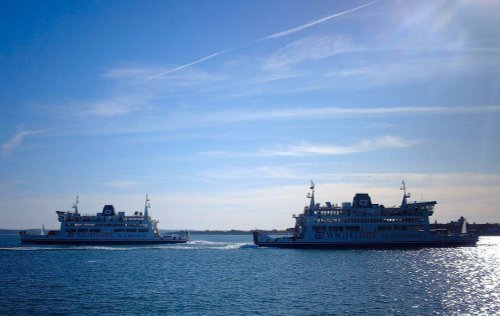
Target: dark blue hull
[(454, 241), (101, 242), (416, 245)]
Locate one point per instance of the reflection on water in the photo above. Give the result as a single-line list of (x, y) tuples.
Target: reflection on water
[(227, 275)]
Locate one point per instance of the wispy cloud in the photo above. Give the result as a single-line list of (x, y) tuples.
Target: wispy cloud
[(115, 106), (265, 38), (143, 74), (418, 68), (16, 140), (317, 173), (308, 149), (332, 112), (309, 48), (187, 118)]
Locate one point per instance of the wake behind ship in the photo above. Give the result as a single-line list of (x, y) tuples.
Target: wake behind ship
[(363, 224), (107, 227)]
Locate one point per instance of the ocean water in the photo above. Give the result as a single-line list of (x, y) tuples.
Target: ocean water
[(227, 275)]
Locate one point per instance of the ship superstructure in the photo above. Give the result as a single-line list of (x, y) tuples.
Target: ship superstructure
[(363, 224), (108, 226)]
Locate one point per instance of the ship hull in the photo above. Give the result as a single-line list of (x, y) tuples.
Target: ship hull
[(70, 241), (439, 242), (388, 245)]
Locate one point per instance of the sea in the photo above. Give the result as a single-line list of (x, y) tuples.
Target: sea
[(228, 275)]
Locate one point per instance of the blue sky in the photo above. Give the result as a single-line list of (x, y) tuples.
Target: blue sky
[(222, 111)]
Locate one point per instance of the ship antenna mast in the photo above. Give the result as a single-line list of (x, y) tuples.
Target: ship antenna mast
[(405, 195), (311, 196), (146, 207), (75, 205)]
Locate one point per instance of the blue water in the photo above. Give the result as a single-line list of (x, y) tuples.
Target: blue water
[(227, 275)]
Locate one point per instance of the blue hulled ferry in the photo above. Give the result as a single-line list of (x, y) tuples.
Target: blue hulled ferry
[(363, 224), (107, 227)]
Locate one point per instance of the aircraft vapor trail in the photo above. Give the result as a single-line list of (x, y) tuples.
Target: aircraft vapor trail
[(265, 38), (308, 25), (191, 63)]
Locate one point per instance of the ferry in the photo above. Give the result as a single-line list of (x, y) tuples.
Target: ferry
[(107, 227), (363, 224)]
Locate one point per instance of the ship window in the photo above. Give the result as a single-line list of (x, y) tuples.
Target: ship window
[(416, 227), (400, 227), (317, 228), (352, 228), (384, 228), (335, 228)]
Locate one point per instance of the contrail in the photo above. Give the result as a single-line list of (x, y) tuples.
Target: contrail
[(192, 63), (265, 38), (305, 26)]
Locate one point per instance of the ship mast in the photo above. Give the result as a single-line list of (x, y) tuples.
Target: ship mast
[(311, 196), (405, 195), (75, 205), (146, 207)]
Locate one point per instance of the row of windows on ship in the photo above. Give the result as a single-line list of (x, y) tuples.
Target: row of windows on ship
[(116, 230), (358, 228), (104, 218), (370, 220), (365, 212), (106, 225)]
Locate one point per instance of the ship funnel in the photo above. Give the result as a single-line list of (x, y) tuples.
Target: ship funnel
[(362, 200)]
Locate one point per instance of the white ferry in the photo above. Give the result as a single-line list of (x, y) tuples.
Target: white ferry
[(362, 224), (107, 227)]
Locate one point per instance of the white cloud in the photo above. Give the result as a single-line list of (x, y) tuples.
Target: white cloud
[(185, 118), (16, 140), (115, 106), (367, 145), (140, 75), (309, 48), (419, 69), (168, 72), (309, 149), (333, 112)]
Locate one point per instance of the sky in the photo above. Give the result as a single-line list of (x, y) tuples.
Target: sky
[(223, 111)]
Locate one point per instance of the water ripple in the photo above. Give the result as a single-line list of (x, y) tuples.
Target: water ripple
[(227, 275)]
